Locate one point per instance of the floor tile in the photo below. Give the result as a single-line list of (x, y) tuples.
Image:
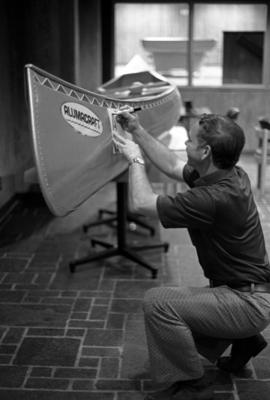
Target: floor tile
[(81, 336)]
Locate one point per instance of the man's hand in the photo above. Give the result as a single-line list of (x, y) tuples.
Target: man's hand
[(127, 147), (128, 121)]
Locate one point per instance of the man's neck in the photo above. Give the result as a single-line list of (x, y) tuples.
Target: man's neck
[(207, 170)]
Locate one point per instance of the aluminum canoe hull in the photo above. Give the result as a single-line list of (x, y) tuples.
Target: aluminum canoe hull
[(74, 158)]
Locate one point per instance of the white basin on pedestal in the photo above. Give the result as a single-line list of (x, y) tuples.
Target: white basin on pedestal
[(171, 52)]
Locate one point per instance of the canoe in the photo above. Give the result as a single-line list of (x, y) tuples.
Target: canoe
[(72, 131), (159, 99), (135, 85)]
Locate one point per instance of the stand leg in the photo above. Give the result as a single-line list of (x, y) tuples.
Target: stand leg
[(108, 221), (259, 176), (97, 223), (101, 243), (94, 257), (122, 249), (139, 260), (164, 246), (104, 211)]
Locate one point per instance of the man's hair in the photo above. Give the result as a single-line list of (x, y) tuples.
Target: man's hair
[(225, 138)]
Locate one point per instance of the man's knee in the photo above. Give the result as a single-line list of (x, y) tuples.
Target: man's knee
[(151, 300)]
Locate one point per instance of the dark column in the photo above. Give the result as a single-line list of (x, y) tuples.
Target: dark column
[(107, 12), (89, 62)]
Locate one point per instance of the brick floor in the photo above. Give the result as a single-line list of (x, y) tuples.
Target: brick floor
[(81, 336)]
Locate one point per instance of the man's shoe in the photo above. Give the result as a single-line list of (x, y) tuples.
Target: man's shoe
[(165, 394), (197, 389), (193, 392), (242, 351)]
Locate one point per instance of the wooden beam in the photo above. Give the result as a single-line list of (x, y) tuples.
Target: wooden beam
[(266, 53)]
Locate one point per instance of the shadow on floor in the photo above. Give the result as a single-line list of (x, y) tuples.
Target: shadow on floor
[(26, 215)]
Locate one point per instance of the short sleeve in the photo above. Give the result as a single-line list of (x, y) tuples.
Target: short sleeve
[(190, 175), (194, 208)]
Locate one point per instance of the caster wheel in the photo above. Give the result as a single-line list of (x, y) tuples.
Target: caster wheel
[(154, 274), (166, 248), (100, 214), (72, 268)]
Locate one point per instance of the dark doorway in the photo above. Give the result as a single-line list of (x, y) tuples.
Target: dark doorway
[(242, 57)]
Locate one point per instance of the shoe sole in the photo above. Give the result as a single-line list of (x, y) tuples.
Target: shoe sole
[(193, 395)]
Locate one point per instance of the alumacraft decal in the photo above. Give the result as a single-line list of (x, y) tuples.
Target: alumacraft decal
[(82, 119)]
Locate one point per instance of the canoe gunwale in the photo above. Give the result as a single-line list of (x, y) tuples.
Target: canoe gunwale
[(102, 100), (111, 84)]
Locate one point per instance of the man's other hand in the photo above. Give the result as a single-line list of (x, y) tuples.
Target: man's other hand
[(127, 147)]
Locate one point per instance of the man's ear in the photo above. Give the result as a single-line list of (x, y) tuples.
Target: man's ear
[(206, 151)]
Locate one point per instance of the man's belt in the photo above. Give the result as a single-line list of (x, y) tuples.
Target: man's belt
[(248, 287)]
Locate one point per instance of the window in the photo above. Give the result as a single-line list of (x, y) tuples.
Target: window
[(149, 36), (237, 54), (225, 47)]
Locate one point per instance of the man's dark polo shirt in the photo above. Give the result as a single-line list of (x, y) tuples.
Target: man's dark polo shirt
[(223, 222)]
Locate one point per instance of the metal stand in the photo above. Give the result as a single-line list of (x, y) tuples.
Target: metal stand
[(121, 249), (108, 221)]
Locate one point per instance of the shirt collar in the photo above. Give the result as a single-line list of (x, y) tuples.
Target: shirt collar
[(214, 177)]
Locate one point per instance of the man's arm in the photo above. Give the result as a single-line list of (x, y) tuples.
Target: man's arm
[(142, 199), (159, 154)]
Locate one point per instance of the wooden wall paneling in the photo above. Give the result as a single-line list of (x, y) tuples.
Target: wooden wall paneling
[(5, 95), (266, 55), (65, 22), (89, 41), (107, 43), (37, 32), (15, 146)]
